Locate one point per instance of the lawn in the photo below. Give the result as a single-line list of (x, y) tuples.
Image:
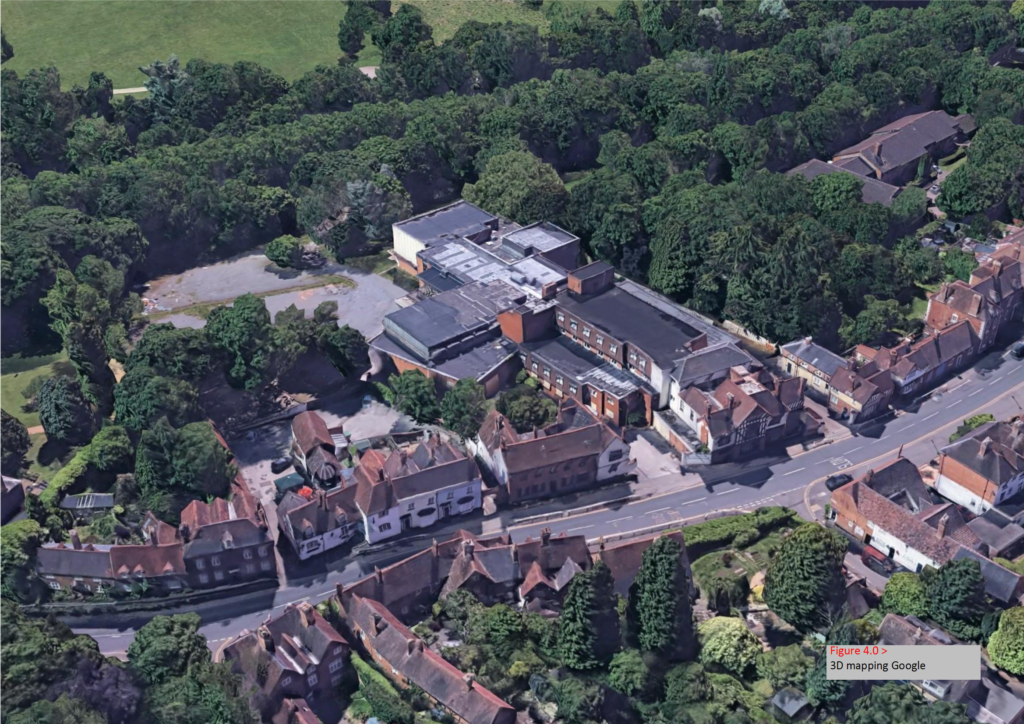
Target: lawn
[(287, 36), (19, 373)]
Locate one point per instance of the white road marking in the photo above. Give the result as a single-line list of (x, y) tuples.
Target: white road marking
[(628, 517), (907, 427), (581, 528), (931, 416), (957, 402), (660, 510), (697, 500), (726, 492), (996, 380), (793, 472), (974, 393), (854, 450)]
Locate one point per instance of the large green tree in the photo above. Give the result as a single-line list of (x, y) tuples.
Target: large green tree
[(1006, 645), (14, 443), (589, 624), (956, 597), (659, 602), (518, 186), (143, 396), (64, 412), (727, 642), (903, 703), (804, 583), (167, 646), (414, 394), (241, 333), (463, 408), (905, 594)]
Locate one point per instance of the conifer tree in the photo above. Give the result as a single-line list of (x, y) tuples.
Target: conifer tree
[(660, 602), (589, 624)]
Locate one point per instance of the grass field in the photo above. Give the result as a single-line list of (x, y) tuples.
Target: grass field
[(19, 373), (288, 36)]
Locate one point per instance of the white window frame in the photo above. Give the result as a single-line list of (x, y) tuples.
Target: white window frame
[(335, 665), (200, 564), (215, 561), (313, 679), (247, 554)]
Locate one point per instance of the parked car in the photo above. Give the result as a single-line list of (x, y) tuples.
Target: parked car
[(1017, 351), (280, 465), (935, 189), (877, 561), (837, 481)]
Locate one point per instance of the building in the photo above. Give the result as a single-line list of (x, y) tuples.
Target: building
[(918, 366), (624, 559), (873, 192), (325, 520), (318, 450), (454, 335), (810, 361), (744, 415), (860, 392), (226, 541), (992, 298), (575, 453), (895, 153), (407, 661), (12, 497), (891, 509), (295, 658), (490, 573), (984, 468), (404, 488), (547, 566)]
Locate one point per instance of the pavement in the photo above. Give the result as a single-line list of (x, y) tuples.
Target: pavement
[(994, 385)]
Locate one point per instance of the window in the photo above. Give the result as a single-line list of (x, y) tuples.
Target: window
[(632, 356), (250, 567), (200, 564), (469, 490), (412, 506), (547, 372), (583, 463), (335, 665), (573, 326), (534, 366), (643, 364), (384, 526), (312, 679), (561, 317), (449, 495), (834, 399), (263, 552), (954, 318), (54, 585), (552, 469), (599, 340), (286, 680), (430, 500), (265, 565), (203, 578), (586, 331), (615, 455), (247, 554), (559, 380), (572, 389), (218, 575), (613, 348), (215, 561)]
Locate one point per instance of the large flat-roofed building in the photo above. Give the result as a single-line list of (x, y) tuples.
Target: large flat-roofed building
[(456, 262), (456, 220), (453, 335)]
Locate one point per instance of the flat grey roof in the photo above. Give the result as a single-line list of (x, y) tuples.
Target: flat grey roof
[(438, 319), (471, 262), (476, 362), (451, 219), (583, 366), (541, 236)]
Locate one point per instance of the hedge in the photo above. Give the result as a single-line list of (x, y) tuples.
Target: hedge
[(109, 453), (383, 698), (742, 530)]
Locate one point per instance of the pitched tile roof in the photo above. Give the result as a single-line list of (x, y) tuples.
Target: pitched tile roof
[(148, 561), (995, 451), (862, 383), (1001, 583), (873, 192), (89, 561), (310, 431), (906, 140), (806, 350), (551, 552), (406, 653), (948, 517), (944, 346), (327, 511), (497, 565), (897, 630)]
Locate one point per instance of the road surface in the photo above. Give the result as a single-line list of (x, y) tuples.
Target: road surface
[(994, 385)]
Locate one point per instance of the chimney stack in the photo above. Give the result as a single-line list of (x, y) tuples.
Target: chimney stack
[(308, 614), (76, 542), (868, 475), (468, 678), (266, 641), (545, 536), (467, 548), (986, 445), (943, 522)]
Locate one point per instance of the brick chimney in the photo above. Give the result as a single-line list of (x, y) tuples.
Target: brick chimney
[(986, 445), (545, 536), (467, 548), (415, 644), (868, 475), (468, 679), (943, 522), (307, 614), (265, 640), (378, 574), (76, 542)]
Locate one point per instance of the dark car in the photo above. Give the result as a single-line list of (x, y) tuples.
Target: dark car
[(837, 481), (1017, 351), (877, 561), (280, 465)]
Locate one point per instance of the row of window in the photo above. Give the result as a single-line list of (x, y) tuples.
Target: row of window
[(246, 554), (449, 495), (250, 568), (598, 338)]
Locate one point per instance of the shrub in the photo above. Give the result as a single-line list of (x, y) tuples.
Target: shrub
[(905, 594), (728, 643), (713, 535)]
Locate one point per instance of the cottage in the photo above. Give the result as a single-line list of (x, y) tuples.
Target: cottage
[(325, 520), (984, 468), (316, 448)]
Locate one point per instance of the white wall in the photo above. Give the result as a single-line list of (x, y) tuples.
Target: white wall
[(961, 496), (624, 465), (406, 246), (392, 518), (903, 554), (309, 547)]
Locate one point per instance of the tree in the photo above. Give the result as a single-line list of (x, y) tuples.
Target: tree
[(659, 605), (167, 646), (878, 317), (14, 443), (285, 251), (519, 186), (784, 666), (804, 583), (242, 333), (628, 673), (527, 408), (725, 591), (64, 710), (6, 49), (504, 628), (894, 702), (414, 394), (1006, 645), (360, 18), (463, 408), (727, 642), (143, 396), (64, 412), (685, 685), (589, 624), (959, 264), (208, 692), (183, 353), (345, 347), (579, 701), (956, 597), (905, 594)]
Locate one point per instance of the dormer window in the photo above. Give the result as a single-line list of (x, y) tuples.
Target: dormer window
[(613, 348), (547, 372), (632, 356), (643, 364), (561, 317), (954, 318), (558, 380), (599, 340), (535, 365)]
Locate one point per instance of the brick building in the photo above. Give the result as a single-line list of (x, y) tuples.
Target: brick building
[(326, 520), (984, 468)]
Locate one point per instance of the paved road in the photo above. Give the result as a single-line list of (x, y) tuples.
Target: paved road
[(994, 385)]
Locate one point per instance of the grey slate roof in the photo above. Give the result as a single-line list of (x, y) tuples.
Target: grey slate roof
[(994, 450), (992, 704), (58, 559), (583, 366), (712, 360), (806, 350), (873, 191), (790, 701), (88, 501), (1000, 583)]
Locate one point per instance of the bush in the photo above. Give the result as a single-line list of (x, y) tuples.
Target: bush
[(382, 698), (285, 251), (725, 591), (728, 643), (905, 594), (713, 535), (970, 424), (1006, 645)]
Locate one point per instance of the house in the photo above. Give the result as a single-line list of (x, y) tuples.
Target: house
[(12, 497), (226, 541), (988, 301), (489, 573), (316, 448), (873, 191), (891, 509), (575, 453), (415, 488), (918, 366), (454, 335), (297, 657), (407, 661), (547, 566), (744, 415), (860, 392), (95, 568), (894, 153), (806, 359), (325, 520), (1000, 531), (1001, 584), (983, 468), (791, 705)]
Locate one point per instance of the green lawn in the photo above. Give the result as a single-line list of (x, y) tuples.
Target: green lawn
[(288, 36), (19, 374)]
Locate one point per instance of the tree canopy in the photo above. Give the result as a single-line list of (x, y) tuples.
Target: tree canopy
[(804, 582)]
